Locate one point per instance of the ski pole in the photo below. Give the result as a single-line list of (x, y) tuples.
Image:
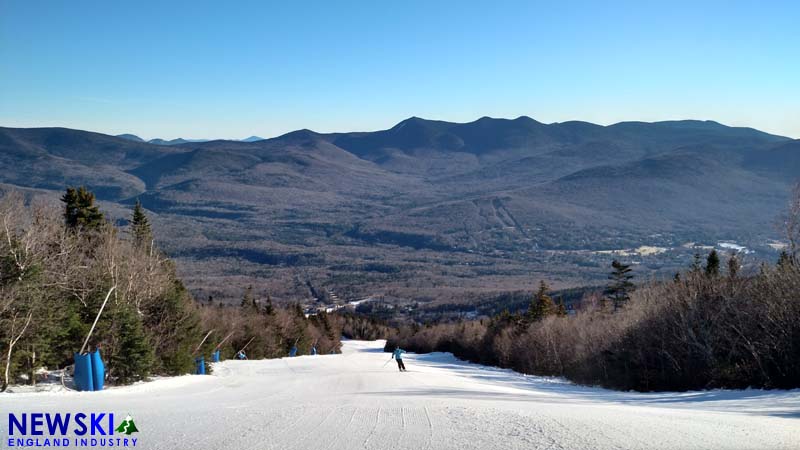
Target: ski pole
[(387, 362)]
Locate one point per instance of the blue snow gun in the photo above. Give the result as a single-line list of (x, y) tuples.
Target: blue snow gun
[(200, 365), (89, 371)]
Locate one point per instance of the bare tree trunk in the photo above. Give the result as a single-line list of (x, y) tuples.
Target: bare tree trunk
[(33, 365), (11, 344)]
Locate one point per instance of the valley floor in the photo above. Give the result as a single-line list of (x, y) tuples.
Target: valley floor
[(355, 400)]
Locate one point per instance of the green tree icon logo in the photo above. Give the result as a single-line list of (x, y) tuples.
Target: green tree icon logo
[(127, 426)]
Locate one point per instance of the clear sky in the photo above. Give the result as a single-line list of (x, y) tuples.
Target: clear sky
[(230, 69)]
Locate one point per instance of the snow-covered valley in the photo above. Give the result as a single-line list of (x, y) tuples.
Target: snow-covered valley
[(358, 399)]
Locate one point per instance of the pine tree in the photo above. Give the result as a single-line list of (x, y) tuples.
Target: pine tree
[(298, 332), (177, 311), (248, 300), (326, 326), (763, 269), (712, 264), (70, 200), (269, 308), (561, 310), (80, 210), (784, 261), (696, 264), (504, 317), (133, 355), (733, 266), (620, 286), (541, 305), (140, 227)]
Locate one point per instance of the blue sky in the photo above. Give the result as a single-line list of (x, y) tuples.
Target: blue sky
[(202, 69)]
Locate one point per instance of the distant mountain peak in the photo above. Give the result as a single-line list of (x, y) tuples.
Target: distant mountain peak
[(178, 141), (413, 120), (297, 135), (130, 137), (253, 139), (526, 119)]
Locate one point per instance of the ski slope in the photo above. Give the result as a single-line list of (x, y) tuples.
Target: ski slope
[(354, 401)]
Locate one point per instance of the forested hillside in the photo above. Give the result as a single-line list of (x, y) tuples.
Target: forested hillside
[(427, 211), (61, 266), (711, 326)]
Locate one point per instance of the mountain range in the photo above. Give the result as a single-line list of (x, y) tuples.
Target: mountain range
[(158, 141), (427, 210)]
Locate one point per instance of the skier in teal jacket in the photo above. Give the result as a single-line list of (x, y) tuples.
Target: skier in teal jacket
[(398, 356)]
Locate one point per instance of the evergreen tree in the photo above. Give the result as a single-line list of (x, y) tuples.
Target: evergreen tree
[(712, 264), (298, 332), (177, 312), (502, 316), (542, 304), (70, 200), (249, 300), (269, 308), (140, 227), (80, 210), (298, 311), (620, 286), (697, 267), (327, 328), (561, 310), (133, 355), (763, 269), (784, 261), (733, 266)]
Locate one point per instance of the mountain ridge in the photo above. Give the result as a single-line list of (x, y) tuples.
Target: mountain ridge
[(685, 123), (448, 209)]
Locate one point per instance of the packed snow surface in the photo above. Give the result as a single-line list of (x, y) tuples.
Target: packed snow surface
[(359, 400)]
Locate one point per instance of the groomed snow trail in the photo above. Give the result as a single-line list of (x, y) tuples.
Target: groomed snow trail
[(352, 401)]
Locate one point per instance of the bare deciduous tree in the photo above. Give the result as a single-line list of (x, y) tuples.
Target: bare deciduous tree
[(791, 224), (15, 335)]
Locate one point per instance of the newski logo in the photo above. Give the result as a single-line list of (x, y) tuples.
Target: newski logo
[(127, 426), (57, 430)]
